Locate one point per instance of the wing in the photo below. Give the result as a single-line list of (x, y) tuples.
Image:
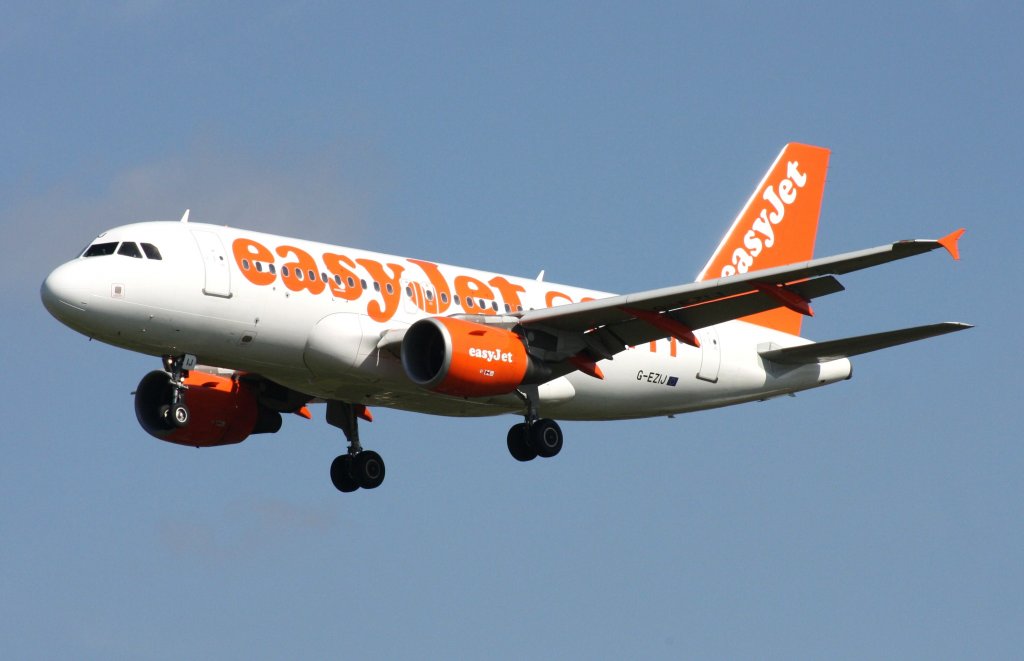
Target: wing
[(822, 352), (607, 326)]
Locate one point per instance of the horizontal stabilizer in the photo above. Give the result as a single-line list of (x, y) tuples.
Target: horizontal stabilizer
[(822, 352)]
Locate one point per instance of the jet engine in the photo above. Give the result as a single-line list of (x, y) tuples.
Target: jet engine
[(223, 410), (463, 358)]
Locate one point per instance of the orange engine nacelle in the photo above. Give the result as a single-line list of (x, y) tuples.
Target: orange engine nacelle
[(222, 410), (462, 358)]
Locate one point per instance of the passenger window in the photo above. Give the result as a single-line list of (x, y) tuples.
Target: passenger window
[(101, 249), (151, 251)]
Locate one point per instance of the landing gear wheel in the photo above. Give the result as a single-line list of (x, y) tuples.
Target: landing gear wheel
[(341, 474), (174, 416), (368, 469), (179, 415), (546, 437), (519, 443), (164, 415), (358, 468)]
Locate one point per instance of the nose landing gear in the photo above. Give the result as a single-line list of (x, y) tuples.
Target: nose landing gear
[(176, 413)]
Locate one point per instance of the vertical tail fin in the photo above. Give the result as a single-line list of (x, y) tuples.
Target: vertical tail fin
[(777, 226)]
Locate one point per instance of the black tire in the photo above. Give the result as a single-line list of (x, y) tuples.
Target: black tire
[(519, 443), (368, 469), (341, 474), (164, 416), (546, 437), (179, 415)]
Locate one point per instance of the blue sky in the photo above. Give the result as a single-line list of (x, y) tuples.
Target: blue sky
[(611, 146)]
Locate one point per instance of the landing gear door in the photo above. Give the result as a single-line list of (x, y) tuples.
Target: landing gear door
[(710, 354), (218, 274)]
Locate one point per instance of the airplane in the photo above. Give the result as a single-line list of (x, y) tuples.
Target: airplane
[(250, 326)]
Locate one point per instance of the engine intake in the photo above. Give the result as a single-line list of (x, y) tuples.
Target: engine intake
[(463, 358)]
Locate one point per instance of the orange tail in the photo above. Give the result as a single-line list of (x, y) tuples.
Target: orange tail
[(777, 226)]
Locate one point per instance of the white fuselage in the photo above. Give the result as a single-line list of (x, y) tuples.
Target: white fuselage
[(233, 298)]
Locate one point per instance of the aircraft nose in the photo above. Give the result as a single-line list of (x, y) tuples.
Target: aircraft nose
[(62, 292)]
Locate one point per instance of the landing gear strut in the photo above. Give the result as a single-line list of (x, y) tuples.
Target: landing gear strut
[(358, 468), (176, 413), (536, 437)]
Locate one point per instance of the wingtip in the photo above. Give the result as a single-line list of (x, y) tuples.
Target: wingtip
[(951, 242)]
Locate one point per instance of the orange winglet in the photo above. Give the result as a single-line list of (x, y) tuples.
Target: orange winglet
[(587, 366), (363, 412), (950, 242), (787, 297), (676, 329), (304, 412)]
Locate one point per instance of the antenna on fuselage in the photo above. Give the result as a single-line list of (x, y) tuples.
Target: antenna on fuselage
[(540, 276), (184, 218)]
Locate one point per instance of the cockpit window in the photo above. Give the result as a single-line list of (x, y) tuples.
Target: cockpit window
[(129, 249), (151, 251), (100, 249)]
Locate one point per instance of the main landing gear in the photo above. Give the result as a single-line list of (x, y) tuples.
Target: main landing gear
[(364, 469), (536, 437), (358, 468), (176, 413), (541, 438)]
